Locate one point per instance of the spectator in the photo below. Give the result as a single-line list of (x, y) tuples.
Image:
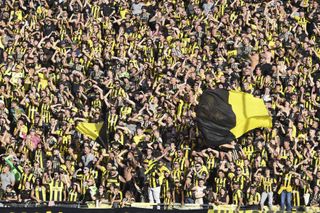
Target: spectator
[(39, 191), (27, 176), (286, 189), (237, 195), (315, 199), (137, 7), (268, 184), (10, 194), (57, 190), (7, 178), (88, 157), (102, 195), (127, 200), (153, 174), (199, 192), (222, 197), (73, 193), (91, 191), (116, 198), (254, 197), (25, 194)]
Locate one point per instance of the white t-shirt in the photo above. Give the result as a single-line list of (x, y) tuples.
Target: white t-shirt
[(6, 179), (199, 194), (137, 8)]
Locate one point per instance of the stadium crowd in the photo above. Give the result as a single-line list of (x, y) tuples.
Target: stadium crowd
[(140, 66)]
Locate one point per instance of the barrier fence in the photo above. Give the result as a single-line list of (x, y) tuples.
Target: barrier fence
[(92, 207)]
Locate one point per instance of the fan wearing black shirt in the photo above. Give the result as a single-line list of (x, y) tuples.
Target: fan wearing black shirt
[(10, 194), (25, 195)]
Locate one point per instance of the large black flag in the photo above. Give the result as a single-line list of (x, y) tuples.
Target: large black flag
[(225, 115)]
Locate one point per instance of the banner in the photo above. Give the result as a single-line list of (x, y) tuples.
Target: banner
[(93, 210), (190, 208)]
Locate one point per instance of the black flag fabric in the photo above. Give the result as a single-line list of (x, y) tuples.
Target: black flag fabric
[(223, 116)]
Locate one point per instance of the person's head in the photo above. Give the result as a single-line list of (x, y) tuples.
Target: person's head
[(198, 166), (113, 171), (112, 187), (56, 152), (149, 152), (6, 169), (128, 194), (101, 189), (246, 162), (117, 84), (253, 189), (286, 144), (56, 175), (267, 172), (236, 185), (86, 170), (166, 174), (222, 191), (87, 150), (9, 188), (39, 146), (220, 174), (176, 165), (289, 163), (27, 185), (201, 182), (139, 131), (90, 182), (49, 163), (26, 169), (38, 181), (239, 170), (296, 181), (2, 105), (116, 189), (70, 150), (20, 122), (145, 164)]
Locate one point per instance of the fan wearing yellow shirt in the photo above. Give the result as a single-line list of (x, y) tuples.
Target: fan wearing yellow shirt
[(139, 136), (253, 197), (198, 172), (153, 173), (237, 195), (43, 75), (268, 185), (21, 130), (285, 190), (166, 180), (31, 104)]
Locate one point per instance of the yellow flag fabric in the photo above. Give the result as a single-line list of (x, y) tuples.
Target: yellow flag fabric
[(223, 115), (250, 113), (91, 130)]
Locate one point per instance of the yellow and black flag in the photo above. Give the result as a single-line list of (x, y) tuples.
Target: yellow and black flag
[(95, 131), (225, 115)]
